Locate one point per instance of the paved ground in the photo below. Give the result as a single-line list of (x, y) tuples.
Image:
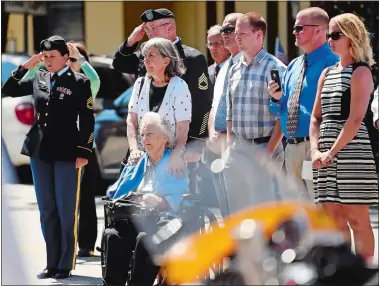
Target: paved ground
[(21, 207), (25, 216)]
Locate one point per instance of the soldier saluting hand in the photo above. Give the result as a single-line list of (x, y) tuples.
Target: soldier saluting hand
[(57, 148), (161, 23)]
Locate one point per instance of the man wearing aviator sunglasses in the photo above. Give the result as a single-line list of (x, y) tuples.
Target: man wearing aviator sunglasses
[(216, 143), (294, 104)]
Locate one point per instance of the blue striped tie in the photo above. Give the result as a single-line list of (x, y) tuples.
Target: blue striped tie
[(220, 118)]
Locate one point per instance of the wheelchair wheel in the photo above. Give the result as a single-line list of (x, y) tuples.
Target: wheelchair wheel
[(103, 261), (226, 278), (208, 221)]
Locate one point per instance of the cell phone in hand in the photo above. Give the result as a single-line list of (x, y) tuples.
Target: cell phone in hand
[(275, 77)]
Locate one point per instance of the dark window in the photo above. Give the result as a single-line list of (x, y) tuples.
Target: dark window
[(66, 18), (113, 83)]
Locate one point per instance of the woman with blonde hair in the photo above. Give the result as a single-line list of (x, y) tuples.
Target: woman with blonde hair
[(345, 180)]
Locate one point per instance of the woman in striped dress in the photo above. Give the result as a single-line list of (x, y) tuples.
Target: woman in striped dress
[(345, 180)]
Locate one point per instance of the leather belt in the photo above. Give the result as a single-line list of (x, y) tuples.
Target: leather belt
[(297, 140), (258, 141)]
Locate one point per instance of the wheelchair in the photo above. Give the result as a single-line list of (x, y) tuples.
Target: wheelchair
[(191, 205)]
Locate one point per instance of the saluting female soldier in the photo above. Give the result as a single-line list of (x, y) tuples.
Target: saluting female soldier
[(58, 149)]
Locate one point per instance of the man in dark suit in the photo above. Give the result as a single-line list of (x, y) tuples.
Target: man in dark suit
[(218, 52)]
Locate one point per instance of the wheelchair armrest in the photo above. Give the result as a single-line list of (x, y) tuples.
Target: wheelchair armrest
[(196, 198)]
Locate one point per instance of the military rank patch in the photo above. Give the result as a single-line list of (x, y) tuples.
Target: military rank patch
[(203, 82), (91, 137), (204, 125), (90, 103)]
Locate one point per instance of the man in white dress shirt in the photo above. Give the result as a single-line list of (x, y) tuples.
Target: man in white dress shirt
[(216, 144)]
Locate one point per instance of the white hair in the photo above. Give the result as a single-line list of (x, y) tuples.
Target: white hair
[(216, 29), (155, 119)]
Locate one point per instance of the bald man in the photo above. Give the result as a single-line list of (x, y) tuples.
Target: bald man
[(294, 102)]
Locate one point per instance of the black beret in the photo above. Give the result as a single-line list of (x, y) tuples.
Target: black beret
[(54, 43), (152, 15)]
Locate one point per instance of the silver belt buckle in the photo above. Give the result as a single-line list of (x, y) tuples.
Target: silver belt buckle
[(143, 213)]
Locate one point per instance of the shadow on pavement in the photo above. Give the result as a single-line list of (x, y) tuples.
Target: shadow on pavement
[(78, 280)]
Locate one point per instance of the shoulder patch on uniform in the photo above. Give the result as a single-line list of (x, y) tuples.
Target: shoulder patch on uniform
[(79, 75), (203, 82), (91, 137), (90, 103), (190, 52)]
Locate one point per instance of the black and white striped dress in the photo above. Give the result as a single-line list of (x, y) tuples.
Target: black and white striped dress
[(351, 178)]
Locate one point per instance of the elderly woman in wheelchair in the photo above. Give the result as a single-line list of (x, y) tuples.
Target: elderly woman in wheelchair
[(150, 190)]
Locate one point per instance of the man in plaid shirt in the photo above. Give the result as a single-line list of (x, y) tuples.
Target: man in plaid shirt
[(249, 119)]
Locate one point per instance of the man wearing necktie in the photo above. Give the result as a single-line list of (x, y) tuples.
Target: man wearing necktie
[(58, 147), (217, 50), (216, 143), (294, 105)]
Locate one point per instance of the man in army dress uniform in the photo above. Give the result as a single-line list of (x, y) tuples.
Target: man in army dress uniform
[(58, 150), (161, 23)]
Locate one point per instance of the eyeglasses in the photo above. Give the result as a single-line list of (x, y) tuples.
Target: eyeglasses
[(152, 29), (299, 28), (215, 44), (73, 60), (334, 35), (227, 30)]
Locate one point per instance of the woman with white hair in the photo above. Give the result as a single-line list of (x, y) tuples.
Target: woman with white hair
[(151, 173), (150, 182), (164, 92)]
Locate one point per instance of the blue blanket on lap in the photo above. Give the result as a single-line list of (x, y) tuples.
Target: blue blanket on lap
[(165, 185)]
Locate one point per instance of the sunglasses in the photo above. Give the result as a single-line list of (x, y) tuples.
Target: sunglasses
[(299, 28), (73, 60), (227, 30), (334, 35)]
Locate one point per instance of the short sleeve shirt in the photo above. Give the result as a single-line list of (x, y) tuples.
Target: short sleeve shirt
[(176, 105)]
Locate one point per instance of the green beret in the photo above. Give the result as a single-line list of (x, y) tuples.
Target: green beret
[(152, 15), (54, 43)]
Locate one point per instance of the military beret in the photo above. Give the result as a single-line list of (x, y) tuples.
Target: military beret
[(152, 15), (54, 43)]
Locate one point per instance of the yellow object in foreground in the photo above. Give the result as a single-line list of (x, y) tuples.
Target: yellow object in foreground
[(191, 257)]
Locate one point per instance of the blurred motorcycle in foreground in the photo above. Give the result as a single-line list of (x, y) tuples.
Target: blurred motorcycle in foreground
[(271, 237)]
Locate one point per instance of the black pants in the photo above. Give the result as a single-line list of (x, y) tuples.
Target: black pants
[(87, 206), (214, 184), (121, 240), (144, 271)]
